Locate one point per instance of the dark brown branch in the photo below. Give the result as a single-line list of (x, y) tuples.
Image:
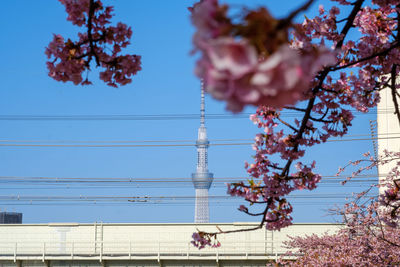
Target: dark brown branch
[(382, 53), (341, 20), (91, 41), (330, 91), (255, 202), (297, 109), (288, 20), (238, 230), (287, 124), (275, 167), (247, 186), (320, 120), (82, 56), (326, 113), (251, 214), (356, 8), (383, 235), (101, 38), (259, 226), (302, 128), (322, 75), (393, 75), (393, 90)]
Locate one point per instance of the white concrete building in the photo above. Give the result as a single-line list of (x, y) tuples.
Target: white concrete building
[(388, 131), (123, 245)]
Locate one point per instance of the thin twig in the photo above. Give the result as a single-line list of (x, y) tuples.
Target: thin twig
[(287, 124), (283, 23), (381, 53)]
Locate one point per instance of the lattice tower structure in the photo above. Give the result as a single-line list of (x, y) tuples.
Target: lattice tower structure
[(202, 178)]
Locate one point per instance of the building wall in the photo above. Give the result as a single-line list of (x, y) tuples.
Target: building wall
[(75, 244), (388, 131)]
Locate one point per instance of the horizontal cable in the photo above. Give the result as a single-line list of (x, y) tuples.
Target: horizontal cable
[(78, 187), (119, 197), (215, 204), (175, 145), (156, 141), (158, 179), (122, 117), (161, 198)]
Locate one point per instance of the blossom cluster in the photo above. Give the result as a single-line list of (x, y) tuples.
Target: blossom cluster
[(285, 64), (203, 239), (251, 62), (364, 241), (322, 69), (68, 60), (388, 185)]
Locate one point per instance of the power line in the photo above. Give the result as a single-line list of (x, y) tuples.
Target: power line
[(152, 141), (125, 117), (172, 200), (122, 117), (155, 179), (159, 145), (361, 184), (171, 145), (215, 204), (156, 198), (78, 183), (324, 202)]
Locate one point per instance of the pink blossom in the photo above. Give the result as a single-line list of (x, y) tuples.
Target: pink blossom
[(226, 71), (233, 73), (365, 240), (274, 70), (202, 239), (70, 59), (284, 77), (209, 19)]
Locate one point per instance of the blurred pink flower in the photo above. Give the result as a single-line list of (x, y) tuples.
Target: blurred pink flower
[(233, 73)]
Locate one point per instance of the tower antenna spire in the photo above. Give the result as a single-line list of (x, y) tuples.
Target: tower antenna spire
[(202, 105), (202, 178)]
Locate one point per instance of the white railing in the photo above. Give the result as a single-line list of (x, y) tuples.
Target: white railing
[(132, 250)]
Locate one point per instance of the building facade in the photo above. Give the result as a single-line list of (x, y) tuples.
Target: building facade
[(388, 132), (129, 245)]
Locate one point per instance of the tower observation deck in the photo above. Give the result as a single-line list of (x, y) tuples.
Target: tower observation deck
[(202, 178)]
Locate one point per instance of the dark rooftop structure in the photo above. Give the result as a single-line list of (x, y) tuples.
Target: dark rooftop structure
[(10, 218)]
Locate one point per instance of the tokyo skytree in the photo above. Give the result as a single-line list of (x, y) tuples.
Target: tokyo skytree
[(202, 179)]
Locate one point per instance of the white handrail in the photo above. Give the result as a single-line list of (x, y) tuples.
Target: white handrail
[(129, 249)]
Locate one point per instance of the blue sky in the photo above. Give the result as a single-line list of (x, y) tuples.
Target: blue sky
[(166, 85)]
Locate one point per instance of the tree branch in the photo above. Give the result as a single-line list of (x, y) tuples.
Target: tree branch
[(283, 23), (91, 41), (349, 23), (393, 91), (383, 52)]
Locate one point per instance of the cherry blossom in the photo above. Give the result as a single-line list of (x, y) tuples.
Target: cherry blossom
[(364, 240), (322, 69), (202, 239), (243, 68), (69, 60)]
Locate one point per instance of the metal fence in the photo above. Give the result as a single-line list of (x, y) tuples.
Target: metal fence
[(131, 250)]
